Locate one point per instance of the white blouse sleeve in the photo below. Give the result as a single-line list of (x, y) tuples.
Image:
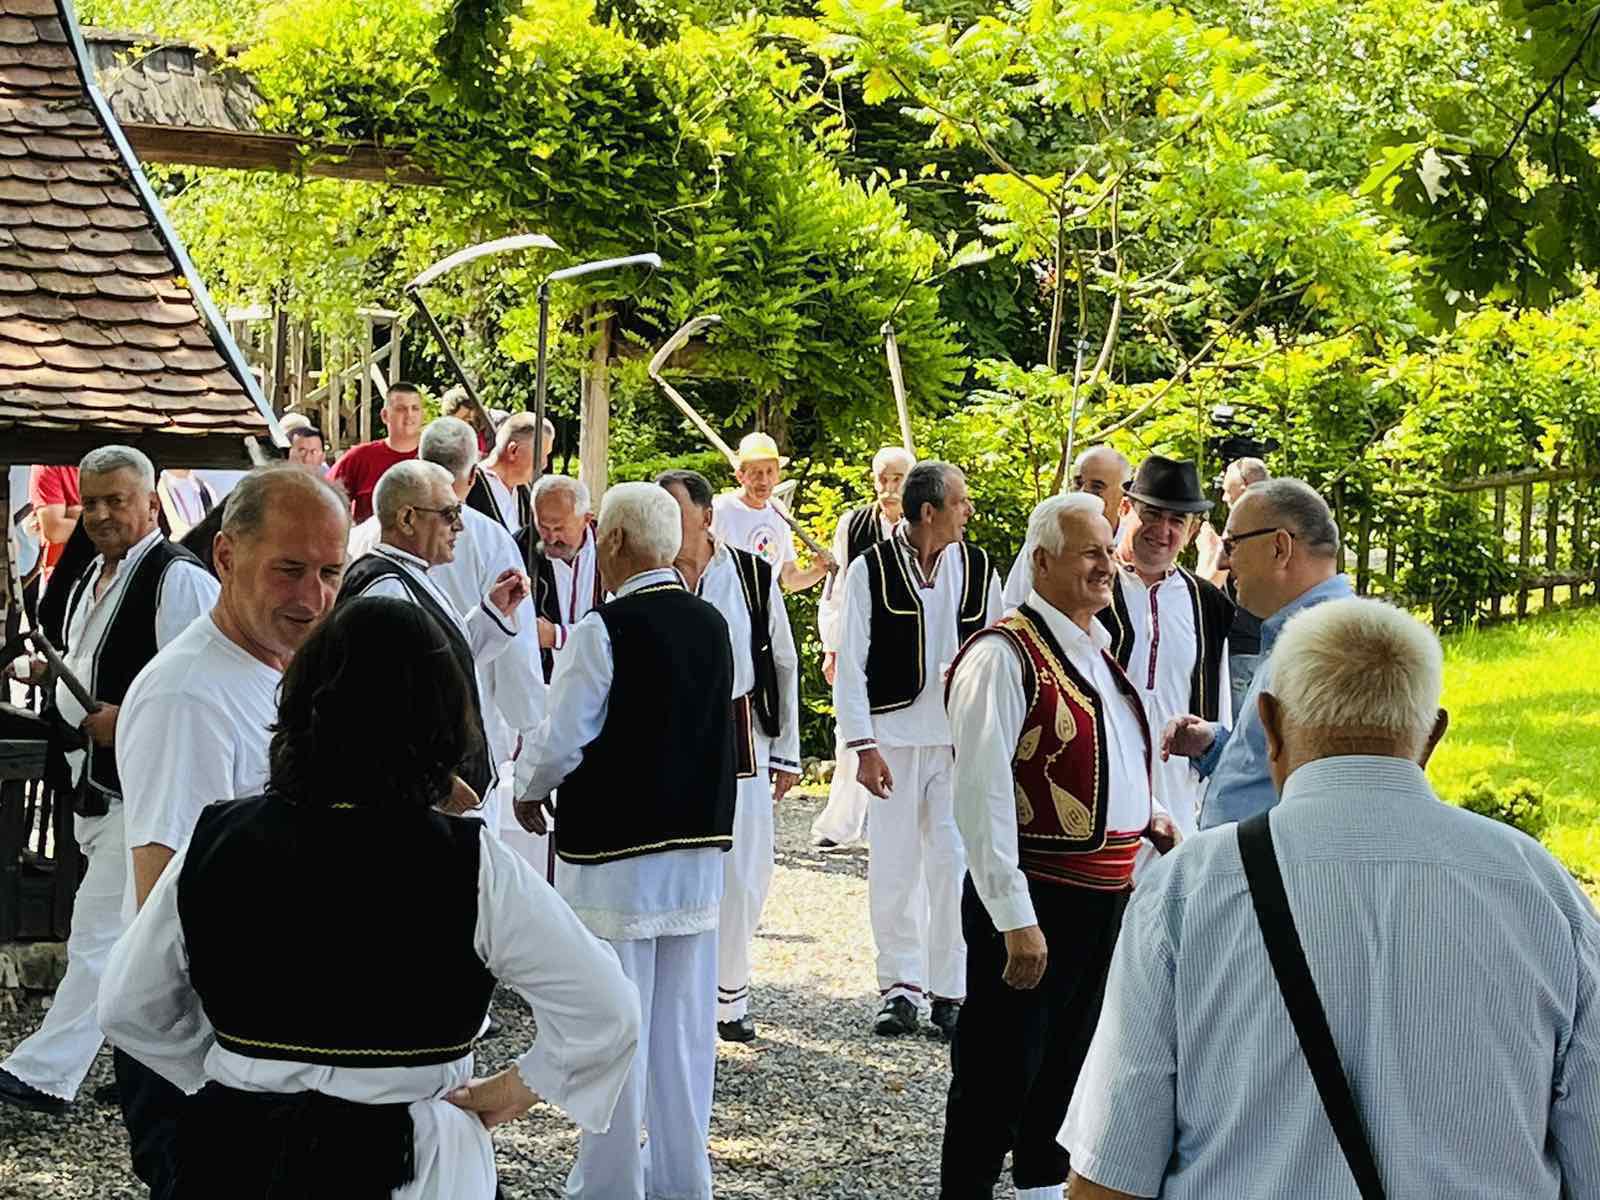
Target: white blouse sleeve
[(188, 590), (852, 710), (580, 691), (586, 1009)]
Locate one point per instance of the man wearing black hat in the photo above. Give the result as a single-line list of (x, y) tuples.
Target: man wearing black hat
[(1168, 627)]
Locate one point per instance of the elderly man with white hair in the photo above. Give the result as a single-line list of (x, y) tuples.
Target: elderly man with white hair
[(844, 819), (420, 519), (1053, 797), (564, 564), (640, 742), (137, 595), (1364, 991)]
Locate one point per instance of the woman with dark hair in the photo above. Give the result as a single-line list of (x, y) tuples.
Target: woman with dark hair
[(318, 962)]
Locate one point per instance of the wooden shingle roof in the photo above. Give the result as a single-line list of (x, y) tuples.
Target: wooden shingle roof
[(106, 334)]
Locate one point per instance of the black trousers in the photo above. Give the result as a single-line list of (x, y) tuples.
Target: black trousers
[(151, 1110), (1016, 1054)]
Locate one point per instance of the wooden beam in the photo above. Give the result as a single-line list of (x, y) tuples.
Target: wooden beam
[(196, 147), (65, 447)]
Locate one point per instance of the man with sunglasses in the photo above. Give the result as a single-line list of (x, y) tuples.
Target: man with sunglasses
[(1282, 545), (420, 518)]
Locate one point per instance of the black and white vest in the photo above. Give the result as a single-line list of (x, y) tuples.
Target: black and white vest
[(660, 774), (129, 643), (477, 768), (755, 581), (895, 667), (1213, 617)]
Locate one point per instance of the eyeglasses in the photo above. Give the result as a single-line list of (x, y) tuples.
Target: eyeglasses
[(1231, 540), (451, 514)]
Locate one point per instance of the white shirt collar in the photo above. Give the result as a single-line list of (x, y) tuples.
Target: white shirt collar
[(130, 559), (1066, 630), (402, 556), (646, 579)]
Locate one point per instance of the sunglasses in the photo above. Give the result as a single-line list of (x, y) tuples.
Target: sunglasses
[(451, 514), (1231, 540)]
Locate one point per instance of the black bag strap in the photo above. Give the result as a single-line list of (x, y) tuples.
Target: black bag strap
[(1300, 998)]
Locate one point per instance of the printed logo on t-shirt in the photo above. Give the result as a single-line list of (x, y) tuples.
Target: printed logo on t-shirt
[(767, 546)]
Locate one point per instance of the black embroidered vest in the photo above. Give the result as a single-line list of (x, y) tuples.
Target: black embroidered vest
[(660, 774), (129, 643), (341, 936), (546, 603), (1213, 617), (755, 581), (862, 533), (477, 769), (895, 667)]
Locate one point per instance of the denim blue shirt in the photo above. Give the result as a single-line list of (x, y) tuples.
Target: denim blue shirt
[(1459, 966), (1236, 764)]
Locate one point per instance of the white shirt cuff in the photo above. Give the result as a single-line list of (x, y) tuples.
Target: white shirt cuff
[(1011, 911)]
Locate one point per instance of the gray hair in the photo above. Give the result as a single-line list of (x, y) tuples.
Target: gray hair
[(648, 515), (1044, 523), (259, 491), (1303, 513), (452, 444), (406, 484), (1359, 666), (518, 427), (1249, 470), (893, 454), (104, 459), (1102, 451), (926, 483), (563, 485)]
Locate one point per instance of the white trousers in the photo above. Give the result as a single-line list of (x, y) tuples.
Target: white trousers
[(668, 1092), (58, 1055), (843, 820), (914, 878), (746, 879)]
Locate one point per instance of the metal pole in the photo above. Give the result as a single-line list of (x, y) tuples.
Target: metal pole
[(486, 426), (539, 385)]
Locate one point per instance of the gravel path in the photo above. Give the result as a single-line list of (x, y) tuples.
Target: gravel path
[(815, 1108)]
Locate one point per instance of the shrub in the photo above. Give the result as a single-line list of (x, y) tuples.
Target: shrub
[(1520, 803)]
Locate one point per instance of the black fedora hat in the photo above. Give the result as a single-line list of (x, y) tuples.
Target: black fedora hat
[(1167, 483)]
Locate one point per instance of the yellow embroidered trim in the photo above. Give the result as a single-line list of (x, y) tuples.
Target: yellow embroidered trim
[(462, 1048), (627, 850)]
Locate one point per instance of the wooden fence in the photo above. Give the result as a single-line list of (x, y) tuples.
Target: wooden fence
[(1545, 532)]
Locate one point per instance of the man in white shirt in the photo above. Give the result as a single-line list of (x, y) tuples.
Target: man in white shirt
[(420, 519), (566, 568), (748, 519), (640, 742), (513, 684), (1052, 796), (508, 470), (844, 819), (185, 500), (910, 603), (135, 597), (766, 694), (1101, 471), (195, 726)]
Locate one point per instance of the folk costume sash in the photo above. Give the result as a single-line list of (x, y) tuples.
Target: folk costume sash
[(1213, 618), (896, 672), (1061, 766)]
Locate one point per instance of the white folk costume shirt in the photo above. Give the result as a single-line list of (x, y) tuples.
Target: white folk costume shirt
[(187, 590), (185, 501), (720, 587), (987, 709), (1161, 667), (653, 895), (576, 584), (504, 500), (364, 537), (194, 729), (761, 531), (830, 609), (587, 1012), (922, 723), (488, 632)]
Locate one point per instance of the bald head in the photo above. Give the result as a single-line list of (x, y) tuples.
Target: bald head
[(276, 488), (1103, 471)]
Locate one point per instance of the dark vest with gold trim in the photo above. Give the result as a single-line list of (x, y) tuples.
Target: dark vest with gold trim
[(895, 666), (1061, 769), (354, 924), (660, 773), (1213, 618), (863, 531)]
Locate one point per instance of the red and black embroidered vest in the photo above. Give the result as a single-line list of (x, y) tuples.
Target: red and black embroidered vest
[(1061, 769)]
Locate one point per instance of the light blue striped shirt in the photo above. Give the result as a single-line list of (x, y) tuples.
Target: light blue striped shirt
[(1460, 968), (1236, 764)]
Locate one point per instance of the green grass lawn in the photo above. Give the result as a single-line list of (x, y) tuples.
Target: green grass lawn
[(1524, 701)]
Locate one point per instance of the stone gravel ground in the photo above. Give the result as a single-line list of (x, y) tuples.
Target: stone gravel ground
[(816, 1108)]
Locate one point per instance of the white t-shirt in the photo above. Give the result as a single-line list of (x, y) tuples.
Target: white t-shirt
[(761, 531), (194, 729)]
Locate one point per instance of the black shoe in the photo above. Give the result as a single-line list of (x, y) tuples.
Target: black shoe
[(108, 1093), (945, 1015), (742, 1030), (25, 1095), (898, 1016), (822, 843)]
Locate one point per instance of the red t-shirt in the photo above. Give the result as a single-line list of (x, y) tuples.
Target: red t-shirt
[(360, 468), (53, 485)]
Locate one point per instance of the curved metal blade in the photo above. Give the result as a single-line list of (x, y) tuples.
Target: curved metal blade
[(603, 264), (685, 331), (520, 241)]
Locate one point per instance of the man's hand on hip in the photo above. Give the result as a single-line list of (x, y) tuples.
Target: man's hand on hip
[(1026, 957), (1187, 737), (872, 772)]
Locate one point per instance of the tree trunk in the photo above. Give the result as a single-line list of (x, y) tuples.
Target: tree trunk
[(594, 433)]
